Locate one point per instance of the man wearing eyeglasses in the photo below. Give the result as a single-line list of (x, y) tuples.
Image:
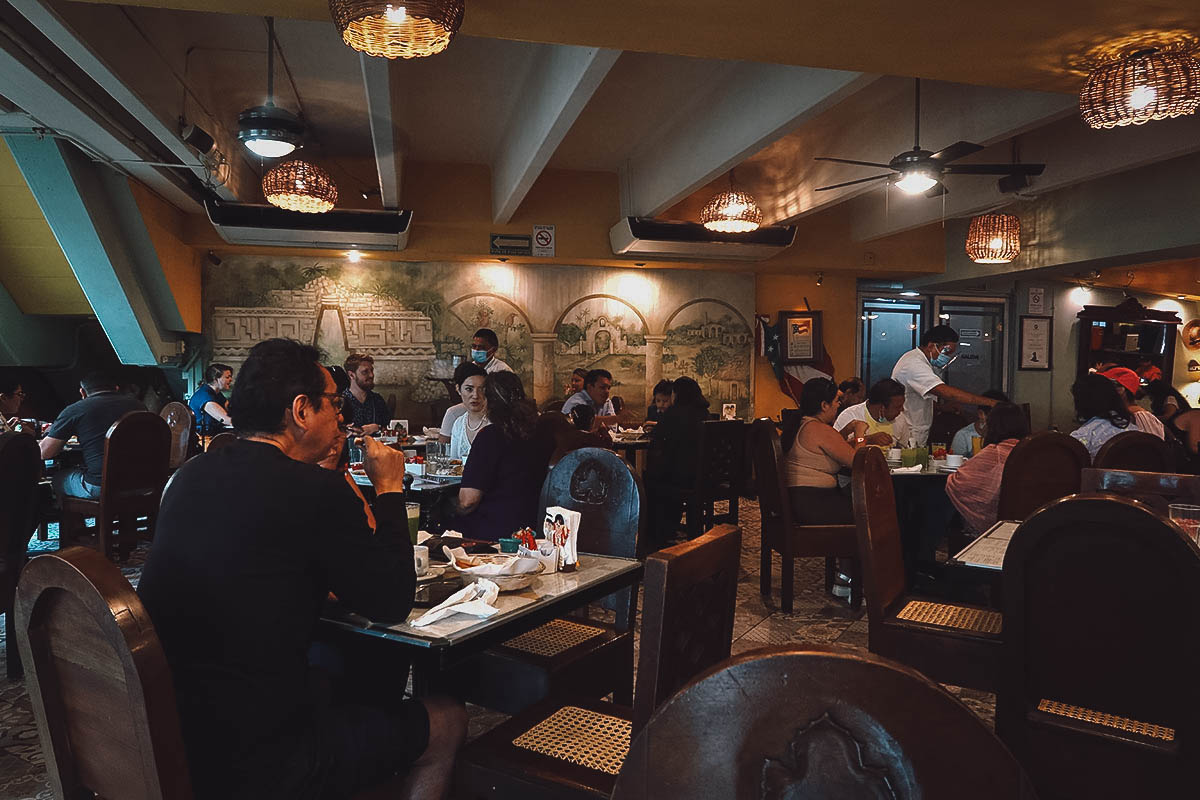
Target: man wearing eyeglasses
[(920, 371), (236, 598)]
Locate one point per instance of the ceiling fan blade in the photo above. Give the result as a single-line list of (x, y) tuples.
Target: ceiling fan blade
[(851, 183), (956, 151), (994, 169), (848, 161), (938, 190)]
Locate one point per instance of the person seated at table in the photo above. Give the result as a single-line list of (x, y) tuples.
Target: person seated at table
[(503, 477), (461, 373), (89, 419), (879, 419), (583, 418), (961, 443), (1128, 386), (672, 460), (596, 388), (974, 489), (813, 455), (1101, 409), (663, 392), (1165, 400), (208, 401), (853, 390), (575, 384), (235, 605), (366, 411), (484, 345), (11, 397), (469, 424)]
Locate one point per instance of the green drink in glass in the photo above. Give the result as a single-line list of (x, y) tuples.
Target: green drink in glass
[(414, 520)]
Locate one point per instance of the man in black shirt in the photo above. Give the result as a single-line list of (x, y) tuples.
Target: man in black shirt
[(235, 603), (101, 405), (366, 412)]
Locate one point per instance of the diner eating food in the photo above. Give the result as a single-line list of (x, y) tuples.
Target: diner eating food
[(365, 409), (1101, 410), (963, 442), (11, 397), (974, 488), (1129, 386), (595, 393), (208, 403), (673, 459), (881, 413)]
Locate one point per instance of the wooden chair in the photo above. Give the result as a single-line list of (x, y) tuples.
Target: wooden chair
[(98, 681), (781, 533), (1098, 693), (719, 472), (1042, 467), (20, 467), (221, 440), (1135, 450), (949, 642), (568, 438), (947, 423), (817, 722), (557, 749), (136, 450), (1156, 489), (573, 657), (179, 419)]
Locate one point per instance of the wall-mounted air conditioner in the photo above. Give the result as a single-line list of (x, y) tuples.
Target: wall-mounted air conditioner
[(652, 238), (246, 223)]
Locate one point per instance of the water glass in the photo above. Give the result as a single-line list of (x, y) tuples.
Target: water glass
[(1186, 517), (356, 453)]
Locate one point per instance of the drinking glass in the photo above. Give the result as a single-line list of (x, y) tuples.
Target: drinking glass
[(976, 445), (1186, 517), (923, 457), (414, 519), (939, 450), (908, 457), (356, 453)]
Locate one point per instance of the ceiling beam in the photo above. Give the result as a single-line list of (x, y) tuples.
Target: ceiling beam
[(388, 162), (557, 89), (753, 106)]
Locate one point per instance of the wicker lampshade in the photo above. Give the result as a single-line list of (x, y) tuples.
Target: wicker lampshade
[(1140, 86), (400, 29), (300, 186), (731, 212), (994, 238)]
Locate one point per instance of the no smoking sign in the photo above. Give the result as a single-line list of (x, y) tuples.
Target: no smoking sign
[(543, 240)]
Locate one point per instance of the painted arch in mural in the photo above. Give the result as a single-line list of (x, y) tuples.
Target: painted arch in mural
[(471, 312), (709, 340), (603, 331)]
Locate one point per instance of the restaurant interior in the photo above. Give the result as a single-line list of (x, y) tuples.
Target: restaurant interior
[(792, 585)]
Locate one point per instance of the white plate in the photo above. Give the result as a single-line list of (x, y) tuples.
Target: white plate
[(947, 469), (435, 571)]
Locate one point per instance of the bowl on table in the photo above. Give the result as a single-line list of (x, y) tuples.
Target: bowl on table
[(506, 583)]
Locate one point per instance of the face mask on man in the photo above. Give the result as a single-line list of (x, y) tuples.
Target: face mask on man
[(941, 360), (479, 356)]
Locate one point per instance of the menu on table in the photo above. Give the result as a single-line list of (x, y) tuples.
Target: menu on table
[(988, 550)]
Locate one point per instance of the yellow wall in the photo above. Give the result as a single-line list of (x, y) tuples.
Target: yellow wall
[(180, 261)]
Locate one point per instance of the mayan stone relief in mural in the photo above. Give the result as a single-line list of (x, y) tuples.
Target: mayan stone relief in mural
[(414, 318)]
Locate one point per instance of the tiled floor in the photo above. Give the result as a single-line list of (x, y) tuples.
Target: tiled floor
[(757, 622)]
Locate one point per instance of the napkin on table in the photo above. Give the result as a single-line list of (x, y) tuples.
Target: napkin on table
[(515, 565), (477, 599), (914, 468)]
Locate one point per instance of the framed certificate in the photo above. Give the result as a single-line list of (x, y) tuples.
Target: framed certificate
[(1037, 341), (801, 336)]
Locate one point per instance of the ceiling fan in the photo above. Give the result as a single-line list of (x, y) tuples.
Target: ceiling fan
[(922, 171)]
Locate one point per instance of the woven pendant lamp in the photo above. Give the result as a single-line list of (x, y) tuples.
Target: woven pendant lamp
[(994, 238), (731, 211), (300, 186), (1139, 86), (399, 29)]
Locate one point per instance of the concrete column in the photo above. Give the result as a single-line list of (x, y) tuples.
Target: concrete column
[(543, 367), (654, 353)]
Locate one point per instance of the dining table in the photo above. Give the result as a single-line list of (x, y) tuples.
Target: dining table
[(437, 647), (429, 492)]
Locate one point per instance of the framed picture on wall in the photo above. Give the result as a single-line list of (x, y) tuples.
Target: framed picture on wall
[(801, 336), (1037, 342)]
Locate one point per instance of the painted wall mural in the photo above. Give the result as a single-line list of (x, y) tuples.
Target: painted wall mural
[(414, 318)]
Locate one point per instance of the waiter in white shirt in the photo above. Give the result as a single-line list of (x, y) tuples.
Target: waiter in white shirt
[(918, 370)]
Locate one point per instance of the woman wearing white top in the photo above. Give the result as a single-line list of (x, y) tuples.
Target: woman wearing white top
[(462, 434)]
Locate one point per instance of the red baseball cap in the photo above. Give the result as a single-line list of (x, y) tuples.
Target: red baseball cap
[(1124, 376)]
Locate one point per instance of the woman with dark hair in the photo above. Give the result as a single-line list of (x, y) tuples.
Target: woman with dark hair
[(975, 488), (663, 392), (1165, 400), (1101, 409), (504, 475), (208, 403), (672, 459), (813, 456)]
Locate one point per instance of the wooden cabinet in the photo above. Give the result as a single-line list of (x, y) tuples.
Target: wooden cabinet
[(1128, 335)]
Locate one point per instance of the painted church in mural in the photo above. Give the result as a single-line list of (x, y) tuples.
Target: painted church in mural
[(416, 319)]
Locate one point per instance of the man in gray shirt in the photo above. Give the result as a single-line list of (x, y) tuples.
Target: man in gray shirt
[(596, 387)]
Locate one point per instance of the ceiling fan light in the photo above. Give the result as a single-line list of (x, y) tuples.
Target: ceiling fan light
[(916, 181), (1141, 86), (269, 131), (731, 212), (994, 238), (300, 186), (399, 29)]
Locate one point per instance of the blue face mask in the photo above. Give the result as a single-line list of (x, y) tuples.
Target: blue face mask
[(479, 356), (941, 360)]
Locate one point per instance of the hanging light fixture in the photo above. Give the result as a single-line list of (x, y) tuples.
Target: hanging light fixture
[(300, 186), (267, 130), (1141, 85), (731, 211), (994, 238), (399, 29)]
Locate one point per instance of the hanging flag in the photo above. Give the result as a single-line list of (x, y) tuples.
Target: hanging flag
[(791, 377)]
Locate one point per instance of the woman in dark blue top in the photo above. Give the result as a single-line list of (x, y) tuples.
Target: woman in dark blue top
[(208, 402), (503, 475)]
